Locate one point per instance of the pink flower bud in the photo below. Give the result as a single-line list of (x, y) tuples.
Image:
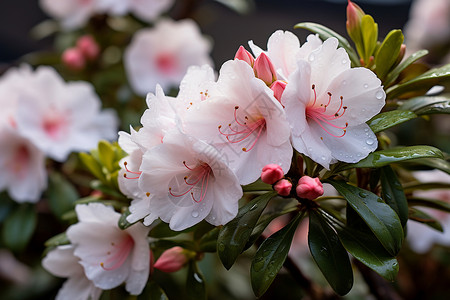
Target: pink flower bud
[(244, 55), (283, 187), (354, 16), (173, 259), (88, 47), (271, 173), (278, 89), (73, 59), (309, 188), (264, 69)]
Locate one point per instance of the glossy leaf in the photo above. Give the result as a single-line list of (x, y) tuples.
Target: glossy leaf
[(234, 235), (369, 31), (380, 218), (435, 163), (422, 82), (329, 254), (19, 227), (61, 195), (366, 248), (392, 76), (393, 193), (195, 283), (92, 165), (424, 218), (390, 119), (162, 230), (383, 158), (57, 240), (325, 33), (388, 53), (154, 292), (106, 155), (270, 257), (123, 223), (208, 242), (428, 105)]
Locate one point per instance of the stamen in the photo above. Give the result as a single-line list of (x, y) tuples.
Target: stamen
[(120, 254)]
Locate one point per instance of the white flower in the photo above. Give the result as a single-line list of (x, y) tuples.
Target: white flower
[(62, 262), (188, 182), (162, 55), (109, 255), (23, 166), (421, 237), (71, 13), (327, 104), (244, 121), (146, 10), (56, 116)]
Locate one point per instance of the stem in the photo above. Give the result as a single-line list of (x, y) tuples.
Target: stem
[(379, 287)]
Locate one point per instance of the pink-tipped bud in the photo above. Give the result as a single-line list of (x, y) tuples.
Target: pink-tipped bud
[(244, 55), (278, 89), (264, 69), (73, 59), (354, 16), (271, 173), (283, 187), (173, 259), (88, 47), (309, 188)]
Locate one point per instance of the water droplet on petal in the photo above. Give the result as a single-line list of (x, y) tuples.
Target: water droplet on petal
[(344, 82), (194, 214), (370, 141), (311, 57), (366, 130), (366, 85), (344, 61), (379, 95), (323, 157)]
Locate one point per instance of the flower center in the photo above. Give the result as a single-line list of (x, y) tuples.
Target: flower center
[(320, 115), (54, 126), (248, 130), (166, 63), (195, 182), (118, 253)]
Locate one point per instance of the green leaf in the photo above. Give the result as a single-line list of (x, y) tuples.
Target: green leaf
[(154, 292), (234, 235), (19, 227), (57, 240), (383, 158), (325, 33), (420, 83), (195, 283), (390, 119), (380, 218), (393, 75), (393, 193), (98, 185), (106, 155), (369, 31), (208, 242), (270, 257), (123, 223), (431, 203), (410, 187), (6, 206), (435, 163), (426, 105), (388, 53), (366, 248), (329, 254), (61, 195), (424, 218), (257, 186), (92, 165)]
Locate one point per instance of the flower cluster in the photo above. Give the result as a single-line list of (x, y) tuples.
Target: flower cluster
[(50, 118), (194, 151)]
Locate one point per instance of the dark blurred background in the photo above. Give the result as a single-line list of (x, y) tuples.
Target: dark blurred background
[(228, 28)]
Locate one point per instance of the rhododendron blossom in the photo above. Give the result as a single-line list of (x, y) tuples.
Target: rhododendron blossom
[(244, 121), (146, 10), (327, 104), (162, 54), (62, 262), (109, 255), (23, 166), (56, 116), (189, 181)]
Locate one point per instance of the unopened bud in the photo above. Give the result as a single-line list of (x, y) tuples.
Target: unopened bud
[(73, 59), (309, 188), (244, 55), (88, 47), (173, 259), (354, 16), (271, 173), (283, 187), (278, 89), (264, 69), (400, 56)]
